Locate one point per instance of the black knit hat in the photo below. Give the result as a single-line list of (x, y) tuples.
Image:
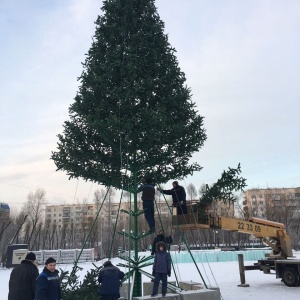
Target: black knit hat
[(30, 256), (107, 263), (50, 260)]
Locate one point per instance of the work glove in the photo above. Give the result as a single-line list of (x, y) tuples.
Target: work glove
[(153, 274), (169, 273)]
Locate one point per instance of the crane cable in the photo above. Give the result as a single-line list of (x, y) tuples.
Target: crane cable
[(183, 238), (158, 213), (196, 221)]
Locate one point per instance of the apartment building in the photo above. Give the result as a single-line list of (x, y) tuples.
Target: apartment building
[(82, 215), (262, 202)]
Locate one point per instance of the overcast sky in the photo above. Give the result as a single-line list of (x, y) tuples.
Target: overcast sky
[(241, 60)]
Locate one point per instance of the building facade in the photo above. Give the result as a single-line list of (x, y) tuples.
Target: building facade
[(4, 211), (264, 203)]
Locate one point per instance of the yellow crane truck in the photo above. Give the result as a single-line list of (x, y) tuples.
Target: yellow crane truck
[(272, 233)]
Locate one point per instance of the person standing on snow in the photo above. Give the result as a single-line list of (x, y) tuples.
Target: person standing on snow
[(48, 282), (110, 280), (23, 278), (161, 238), (161, 269)]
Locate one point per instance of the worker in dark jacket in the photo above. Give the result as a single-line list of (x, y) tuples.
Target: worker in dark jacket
[(48, 282), (110, 281), (161, 238), (178, 197), (148, 197), (22, 279), (161, 269)]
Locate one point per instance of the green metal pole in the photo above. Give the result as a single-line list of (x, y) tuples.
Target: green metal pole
[(137, 284), (135, 220)]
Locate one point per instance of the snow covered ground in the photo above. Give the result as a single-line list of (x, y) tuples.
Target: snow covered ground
[(225, 275)]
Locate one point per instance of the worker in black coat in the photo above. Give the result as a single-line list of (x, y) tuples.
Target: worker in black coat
[(161, 238), (178, 196), (148, 197), (48, 282), (22, 279), (110, 280)]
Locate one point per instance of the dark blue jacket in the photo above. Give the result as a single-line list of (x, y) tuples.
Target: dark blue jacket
[(48, 286), (109, 278), (162, 262), (148, 191)]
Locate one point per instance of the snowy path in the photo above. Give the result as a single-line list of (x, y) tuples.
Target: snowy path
[(226, 274)]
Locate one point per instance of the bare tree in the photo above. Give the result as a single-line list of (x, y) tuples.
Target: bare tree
[(19, 222), (191, 191), (202, 189), (34, 207)]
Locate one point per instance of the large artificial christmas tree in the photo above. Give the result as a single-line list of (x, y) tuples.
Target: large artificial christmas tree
[(133, 110)]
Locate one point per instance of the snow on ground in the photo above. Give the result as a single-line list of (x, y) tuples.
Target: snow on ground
[(225, 275)]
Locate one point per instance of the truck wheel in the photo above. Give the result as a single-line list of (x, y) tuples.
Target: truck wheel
[(290, 277)]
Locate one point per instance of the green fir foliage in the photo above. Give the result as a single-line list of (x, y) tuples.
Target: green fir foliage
[(224, 188), (73, 289), (133, 109)]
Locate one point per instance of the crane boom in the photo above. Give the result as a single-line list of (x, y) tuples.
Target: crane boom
[(273, 233)]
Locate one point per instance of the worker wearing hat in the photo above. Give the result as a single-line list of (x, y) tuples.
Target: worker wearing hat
[(110, 278), (48, 282), (22, 279), (178, 197)]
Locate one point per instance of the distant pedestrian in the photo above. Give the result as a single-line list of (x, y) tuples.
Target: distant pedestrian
[(48, 282), (23, 278), (161, 238), (148, 197), (178, 197), (110, 281), (161, 269), (179, 248)]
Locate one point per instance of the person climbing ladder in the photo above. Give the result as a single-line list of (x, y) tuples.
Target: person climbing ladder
[(148, 197)]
